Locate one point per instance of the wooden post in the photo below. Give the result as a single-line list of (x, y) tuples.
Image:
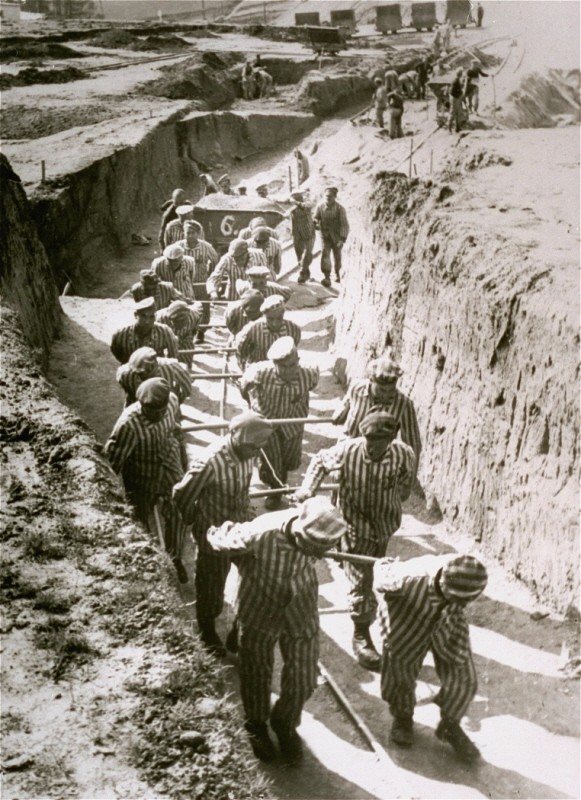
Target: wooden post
[(411, 154), (290, 179), (43, 171), (224, 397)]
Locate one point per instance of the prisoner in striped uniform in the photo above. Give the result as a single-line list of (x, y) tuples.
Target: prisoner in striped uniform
[(331, 220), (258, 278), (145, 332), (421, 609), (232, 267), (245, 310), (277, 601), (178, 268), (145, 447), (303, 233), (178, 198), (175, 229), (205, 259), (379, 391), (375, 475), (262, 240), (184, 321), (149, 285), (255, 339), (279, 389), (256, 222), (215, 489), (143, 364)]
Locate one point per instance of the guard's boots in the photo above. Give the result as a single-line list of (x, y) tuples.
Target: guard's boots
[(451, 732), (210, 638), (290, 743), (261, 743), (364, 649)]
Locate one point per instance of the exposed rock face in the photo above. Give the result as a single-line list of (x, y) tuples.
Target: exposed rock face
[(322, 94), (490, 355), (26, 278), (544, 101)]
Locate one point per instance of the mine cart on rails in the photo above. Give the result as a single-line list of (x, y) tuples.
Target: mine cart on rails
[(458, 13), (223, 216), (440, 87), (344, 19), (326, 41), (388, 18), (424, 16), (308, 18)]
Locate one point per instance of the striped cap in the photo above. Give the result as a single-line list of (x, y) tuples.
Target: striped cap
[(319, 525), (464, 577), (271, 302), (174, 251)]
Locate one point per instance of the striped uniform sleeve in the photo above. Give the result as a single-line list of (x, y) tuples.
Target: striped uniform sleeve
[(120, 444), (119, 345), (407, 464), (275, 259), (250, 383), (294, 331), (218, 276), (169, 341), (232, 318), (244, 342), (322, 463), (410, 431), (178, 376), (173, 232), (340, 416), (186, 492), (137, 292)]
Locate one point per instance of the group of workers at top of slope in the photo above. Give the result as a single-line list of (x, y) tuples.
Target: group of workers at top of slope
[(392, 88), (375, 464)]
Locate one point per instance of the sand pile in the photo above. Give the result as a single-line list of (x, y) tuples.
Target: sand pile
[(544, 101)]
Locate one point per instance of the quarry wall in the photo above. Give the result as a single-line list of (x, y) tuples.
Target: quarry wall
[(490, 357), (26, 280)]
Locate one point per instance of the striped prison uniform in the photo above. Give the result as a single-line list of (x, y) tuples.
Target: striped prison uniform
[(205, 258), (277, 600), (332, 222), (278, 399), (369, 499), (228, 272), (163, 294), (214, 489), (174, 232), (182, 278), (270, 289), (248, 233), (235, 318), (160, 338), (254, 340), (174, 372), (303, 232), (185, 334), (169, 214), (358, 401), (416, 618), (149, 457), (273, 254)]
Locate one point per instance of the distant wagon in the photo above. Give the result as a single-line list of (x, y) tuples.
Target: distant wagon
[(325, 40), (388, 18), (458, 12), (308, 18), (423, 16), (223, 216), (344, 19)]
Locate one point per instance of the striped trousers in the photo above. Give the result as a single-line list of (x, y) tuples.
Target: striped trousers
[(174, 528), (211, 573), (298, 679), (398, 684), (284, 454), (361, 598)]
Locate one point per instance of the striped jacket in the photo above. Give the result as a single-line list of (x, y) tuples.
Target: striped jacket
[(215, 487), (204, 256), (174, 372), (164, 294), (235, 318), (273, 255), (254, 340), (302, 224), (415, 616), (270, 289), (161, 338), (182, 278), (174, 231), (273, 573), (228, 272), (278, 399), (368, 490), (332, 222), (186, 333), (147, 453), (358, 401)]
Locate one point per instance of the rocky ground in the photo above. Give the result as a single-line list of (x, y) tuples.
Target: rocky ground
[(107, 693)]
